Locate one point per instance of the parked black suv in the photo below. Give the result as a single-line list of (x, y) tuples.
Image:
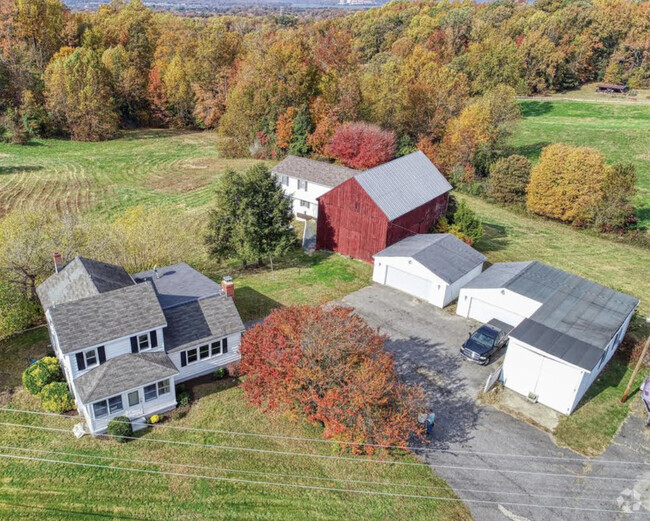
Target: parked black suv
[(485, 341)]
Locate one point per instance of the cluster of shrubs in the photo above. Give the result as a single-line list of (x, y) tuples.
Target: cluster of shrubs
[(460, 221), (44, 379)]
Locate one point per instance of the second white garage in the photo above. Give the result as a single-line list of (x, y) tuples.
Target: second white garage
[(432, 267)]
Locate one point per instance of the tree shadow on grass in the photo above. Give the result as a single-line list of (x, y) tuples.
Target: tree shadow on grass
[(531, 150), (8, 170), (439, 373), (532, 109), (495, 238), (67, 512)]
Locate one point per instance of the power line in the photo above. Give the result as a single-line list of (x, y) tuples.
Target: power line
[(374, 445), (310, 487), (337, 458), (298, 476)]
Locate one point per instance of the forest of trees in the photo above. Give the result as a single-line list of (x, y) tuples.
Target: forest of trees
[(274, 83)]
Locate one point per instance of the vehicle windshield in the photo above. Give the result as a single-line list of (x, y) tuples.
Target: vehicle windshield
[(482, 339)]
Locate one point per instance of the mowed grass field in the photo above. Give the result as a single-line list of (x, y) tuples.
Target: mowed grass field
[(56, 491), (142, 167), (621, 131)]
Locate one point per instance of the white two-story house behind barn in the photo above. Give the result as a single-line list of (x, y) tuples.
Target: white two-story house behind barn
[(305, 180), (124, 341)]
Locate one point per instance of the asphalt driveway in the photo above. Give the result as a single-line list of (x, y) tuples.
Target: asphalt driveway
[(503, 468)]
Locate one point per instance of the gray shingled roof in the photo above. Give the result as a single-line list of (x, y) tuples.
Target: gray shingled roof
[(122, 373), (577, 318), (320, 172), (202, 320), (401, 185), (178, 284), (441, 253), (82, 278), (108, 316)]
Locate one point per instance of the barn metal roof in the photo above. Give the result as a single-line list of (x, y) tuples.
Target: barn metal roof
[(441, 253), (576, 315), (320, 172), (401, 185)]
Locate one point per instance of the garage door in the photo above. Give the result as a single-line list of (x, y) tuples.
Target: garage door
[(408, 283), (484, 312)]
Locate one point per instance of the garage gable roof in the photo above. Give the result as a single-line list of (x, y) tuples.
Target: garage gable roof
[(442, 254), (403, 184), (583, 314)]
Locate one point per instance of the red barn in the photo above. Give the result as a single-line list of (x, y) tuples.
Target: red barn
[(380, 206)]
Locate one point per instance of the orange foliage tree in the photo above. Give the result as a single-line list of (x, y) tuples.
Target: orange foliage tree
[(331, 367)]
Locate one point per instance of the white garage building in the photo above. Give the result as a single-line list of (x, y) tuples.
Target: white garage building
[(567, 327), (433, 267)]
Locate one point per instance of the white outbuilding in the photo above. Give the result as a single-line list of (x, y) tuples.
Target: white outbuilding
[(433, 267), (566, 328)]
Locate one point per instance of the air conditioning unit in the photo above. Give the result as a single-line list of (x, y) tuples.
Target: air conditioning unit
[(532, 397)]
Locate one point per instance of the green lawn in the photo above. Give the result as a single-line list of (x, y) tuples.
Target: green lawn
[(510, 236), (39, 490), (15, 353), (619, 131), (590, 429), (142, 167)]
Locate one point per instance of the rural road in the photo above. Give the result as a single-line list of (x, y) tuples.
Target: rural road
[(503, 468)]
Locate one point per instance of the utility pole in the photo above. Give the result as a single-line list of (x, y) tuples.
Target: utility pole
[(638, 366)]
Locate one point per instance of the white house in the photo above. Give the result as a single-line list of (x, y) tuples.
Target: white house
[(433, 267), (305, 180), (125, 341), (567, 327)]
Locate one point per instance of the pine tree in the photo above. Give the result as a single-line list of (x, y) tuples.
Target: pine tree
[(302, 127), (252, 220)]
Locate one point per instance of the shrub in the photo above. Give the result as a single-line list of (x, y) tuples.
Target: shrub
[(466, 225), (331, 367), (121, 428), (154, 418), (235, 370), (184, 398), (567, 183), (508, 179), (55, 397), (615, 210), (220, 373), (40, 374), (362, 145)]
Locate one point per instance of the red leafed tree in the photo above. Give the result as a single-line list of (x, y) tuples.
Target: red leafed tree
[(362, 145), (332, 368)]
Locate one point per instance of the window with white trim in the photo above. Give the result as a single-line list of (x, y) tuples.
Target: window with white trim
[(302, 185), (143, 342), (196, 354), (284, 180), (109, 406), (153, 391), (133, 398), (91, 358), (304, 204)]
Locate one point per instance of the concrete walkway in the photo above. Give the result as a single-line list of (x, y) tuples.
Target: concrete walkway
[(309, 237), (505, 469)]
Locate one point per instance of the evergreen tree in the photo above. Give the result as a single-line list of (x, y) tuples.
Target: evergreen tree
[(252, 220), (302, 127)]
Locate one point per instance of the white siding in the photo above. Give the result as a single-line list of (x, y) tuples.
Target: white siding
[(311, 195), (208, 365), (144, 409), (417, 280), (555, 382), (502, 304)]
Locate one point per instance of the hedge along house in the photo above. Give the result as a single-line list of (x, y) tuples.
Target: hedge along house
[(433, 267), (567, 328), (125, 341), (305, 180), (380, 206)]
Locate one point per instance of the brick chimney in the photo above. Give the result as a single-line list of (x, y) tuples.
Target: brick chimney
[(228, 286), (58, 261)]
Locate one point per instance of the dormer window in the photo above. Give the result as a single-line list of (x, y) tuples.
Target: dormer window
[(91, 357)]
